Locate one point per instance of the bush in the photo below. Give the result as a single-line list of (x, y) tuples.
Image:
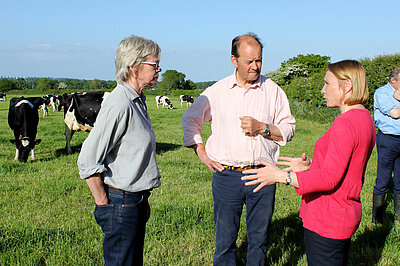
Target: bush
[(307, 89)]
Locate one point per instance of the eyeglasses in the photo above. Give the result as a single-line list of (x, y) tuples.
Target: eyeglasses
[(155, 65)]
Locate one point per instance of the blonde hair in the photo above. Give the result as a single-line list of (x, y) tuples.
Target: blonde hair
[(133, 51), (354, 71)]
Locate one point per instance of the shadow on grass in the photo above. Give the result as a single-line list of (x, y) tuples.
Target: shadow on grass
[(367, 248), (286, 237), (164, 147), (63, 151), (160, 148)]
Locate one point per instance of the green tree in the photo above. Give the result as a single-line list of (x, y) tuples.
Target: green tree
[(97, 84), (62, 85), (204, 84), (21, 84), (75, 84), (7, 85), (111, 84), (172, 80), (45, 83), (298, 66), (189, 85)]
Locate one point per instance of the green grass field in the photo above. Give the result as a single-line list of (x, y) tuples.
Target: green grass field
[(46, 210)]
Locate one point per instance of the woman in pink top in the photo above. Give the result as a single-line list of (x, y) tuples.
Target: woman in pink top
[(330, 186)]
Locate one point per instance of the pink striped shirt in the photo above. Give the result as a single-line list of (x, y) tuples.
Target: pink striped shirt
[(222, 104)]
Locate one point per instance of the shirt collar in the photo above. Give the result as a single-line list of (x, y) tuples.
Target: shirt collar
[(391, 87), (234, 83), (131, 91)]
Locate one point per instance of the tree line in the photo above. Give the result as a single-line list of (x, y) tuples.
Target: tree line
[(301, 77), (42, 84), (171, 80)]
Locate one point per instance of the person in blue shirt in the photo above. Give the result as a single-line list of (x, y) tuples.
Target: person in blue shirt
[(387, 120)]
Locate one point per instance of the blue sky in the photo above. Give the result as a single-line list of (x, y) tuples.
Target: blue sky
[(78, 39)]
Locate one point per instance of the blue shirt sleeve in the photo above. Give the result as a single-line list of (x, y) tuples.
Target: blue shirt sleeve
[(384, 100)]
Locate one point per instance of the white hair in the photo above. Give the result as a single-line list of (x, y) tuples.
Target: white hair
[(133, 51)]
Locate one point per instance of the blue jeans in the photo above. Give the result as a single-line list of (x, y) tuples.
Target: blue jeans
[(388, 148), (230, 194), (123, 222)]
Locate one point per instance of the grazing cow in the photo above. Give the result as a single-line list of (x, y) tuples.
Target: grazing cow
[(80, 112), (186, 99), (23, 119), (164, 101), (3, 97), (51, 100)]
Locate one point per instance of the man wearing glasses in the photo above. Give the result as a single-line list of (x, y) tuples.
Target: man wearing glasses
[(250, 118)]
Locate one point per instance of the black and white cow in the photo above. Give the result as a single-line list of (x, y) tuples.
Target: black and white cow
[(51, 100), (80, 112), (3, 97), (186, 99), (23, 119), (43, 108), (164, 101)]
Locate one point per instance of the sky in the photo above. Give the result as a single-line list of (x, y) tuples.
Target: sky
[(79, 38)]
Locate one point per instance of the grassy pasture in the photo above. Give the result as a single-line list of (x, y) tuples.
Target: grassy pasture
[(47, 210)]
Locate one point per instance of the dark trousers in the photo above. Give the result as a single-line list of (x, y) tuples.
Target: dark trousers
[(388, 148), (230, 194), (325, 251), (123, 222)]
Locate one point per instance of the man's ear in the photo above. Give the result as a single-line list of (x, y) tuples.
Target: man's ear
[(234, 61)]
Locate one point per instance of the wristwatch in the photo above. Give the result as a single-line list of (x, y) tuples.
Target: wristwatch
[(288, 178), (266, 132)]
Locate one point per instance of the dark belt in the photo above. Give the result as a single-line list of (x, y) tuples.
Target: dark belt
[(128, 192), (234, 168)]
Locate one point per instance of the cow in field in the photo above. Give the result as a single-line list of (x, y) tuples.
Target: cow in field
[(54, 100), (80, 112), (186, 99), (23, 119), (50, 100), (3, 97), (43, 108), (163, 101)]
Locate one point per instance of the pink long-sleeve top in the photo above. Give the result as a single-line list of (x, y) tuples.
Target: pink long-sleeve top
[(331, 205), (222, 104)]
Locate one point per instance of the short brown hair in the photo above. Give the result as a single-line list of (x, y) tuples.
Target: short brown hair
[(354, 71), (395, 73)]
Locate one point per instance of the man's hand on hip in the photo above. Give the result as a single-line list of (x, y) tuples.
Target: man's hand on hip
[(200, 150)]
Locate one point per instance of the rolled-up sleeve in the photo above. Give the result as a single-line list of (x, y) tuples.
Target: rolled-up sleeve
[(193, 119), (109, 127), (283, 119), (385, 102)]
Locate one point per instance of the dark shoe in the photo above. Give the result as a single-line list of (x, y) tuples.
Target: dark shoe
[(396, 200), (378, 209)]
